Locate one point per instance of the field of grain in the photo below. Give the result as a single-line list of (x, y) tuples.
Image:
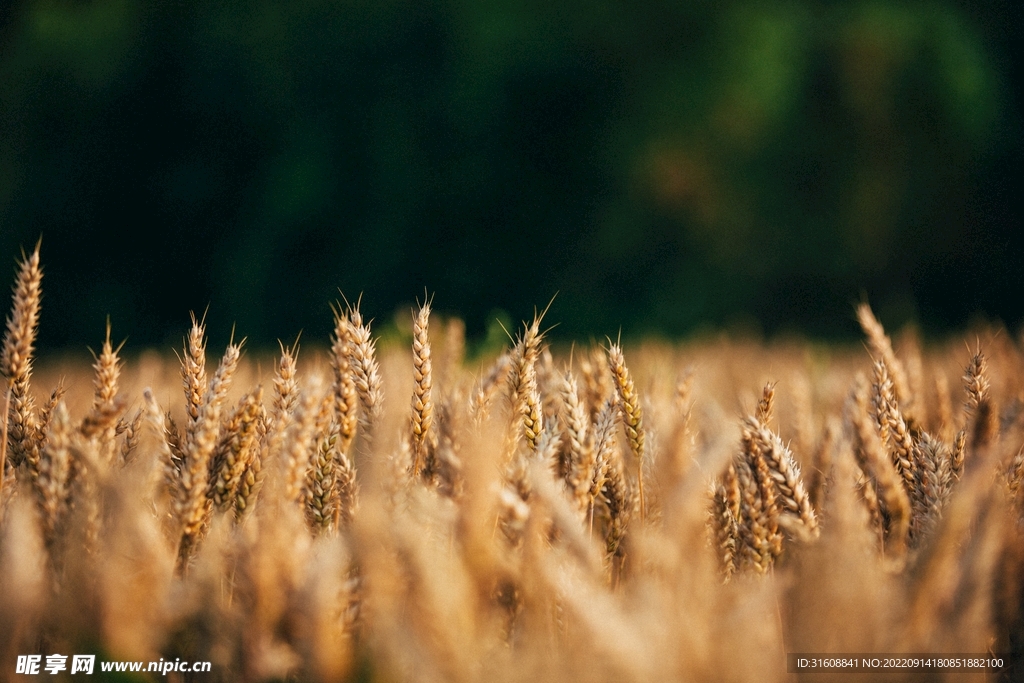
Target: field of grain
[(591, 513)]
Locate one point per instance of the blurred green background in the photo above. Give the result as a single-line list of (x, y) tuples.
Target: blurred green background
[(666, 166)]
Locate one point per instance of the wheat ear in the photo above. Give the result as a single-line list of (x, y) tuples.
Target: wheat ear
[(321, 489), (893, 428), (603, 447), (872, 459), (766, 405), (632, 416), (168, 461), (422, 402), (574, 426), (523, 390), (979, 406), (761, 545), (193, 372), (46, 412), (934, 458), (251, 480), (488, 385), (16, 364), (618, 501), (236, 449), (365, 370), (193, 505), (881, 349), (597, 382), (132, 433), (286, 388), (54, 474), (725, 512), (298, 445), (784, 473), (107, 369), (346, 397)]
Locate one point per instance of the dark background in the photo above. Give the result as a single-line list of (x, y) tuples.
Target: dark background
[(665, 166)]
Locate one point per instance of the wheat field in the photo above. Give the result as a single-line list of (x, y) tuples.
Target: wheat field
[(658, 512)]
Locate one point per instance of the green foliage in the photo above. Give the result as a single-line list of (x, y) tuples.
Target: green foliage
[(663, 164)]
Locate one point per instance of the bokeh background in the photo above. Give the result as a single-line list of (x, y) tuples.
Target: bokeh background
[(665, 166)]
